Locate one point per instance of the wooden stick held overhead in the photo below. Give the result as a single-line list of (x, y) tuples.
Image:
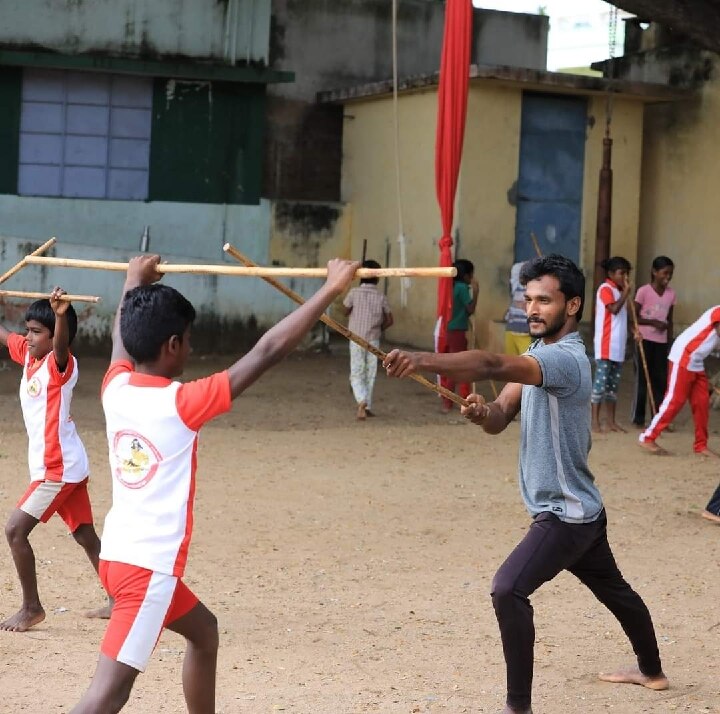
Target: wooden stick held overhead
[(40, 296), (255, 271), (19, 266), (230, 250)]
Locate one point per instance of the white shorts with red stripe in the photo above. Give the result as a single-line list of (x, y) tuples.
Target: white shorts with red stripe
[(145, 603)]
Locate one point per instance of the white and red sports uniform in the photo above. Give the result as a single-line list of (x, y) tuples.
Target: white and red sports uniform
[(152, 429), (687, 379), (610, 330), (57, 458)]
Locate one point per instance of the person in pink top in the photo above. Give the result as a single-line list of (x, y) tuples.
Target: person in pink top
[(152, 428), (654, 309)]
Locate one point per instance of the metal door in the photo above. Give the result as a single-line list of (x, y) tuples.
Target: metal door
[(550, 181)]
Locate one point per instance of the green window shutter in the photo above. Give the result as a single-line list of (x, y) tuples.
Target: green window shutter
[(206, 142), (10, 99)]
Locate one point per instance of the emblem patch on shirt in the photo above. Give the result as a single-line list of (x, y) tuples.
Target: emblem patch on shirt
[(34, 387), (136, 459)]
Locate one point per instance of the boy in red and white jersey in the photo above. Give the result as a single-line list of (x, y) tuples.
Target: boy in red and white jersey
[(610, 339), (687, 381), (56, 456), (152, 427)]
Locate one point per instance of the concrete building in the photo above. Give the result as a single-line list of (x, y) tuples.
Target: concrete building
[(531, 163), (171, 115)]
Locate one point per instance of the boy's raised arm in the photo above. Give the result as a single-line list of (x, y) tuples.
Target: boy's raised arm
[(142, 270), (282, 339), (61, 334)]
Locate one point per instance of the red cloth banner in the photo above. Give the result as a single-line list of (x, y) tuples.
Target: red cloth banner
[(452, 109)]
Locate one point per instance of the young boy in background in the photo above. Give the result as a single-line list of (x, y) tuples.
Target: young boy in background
[(370, 315)]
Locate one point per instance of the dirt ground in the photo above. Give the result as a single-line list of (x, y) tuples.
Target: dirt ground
[(349, 563)]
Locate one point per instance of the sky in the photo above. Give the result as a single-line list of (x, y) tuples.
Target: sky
[(579, 32)]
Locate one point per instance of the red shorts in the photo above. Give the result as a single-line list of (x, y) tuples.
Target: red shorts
[(69, 500), (145, 603)]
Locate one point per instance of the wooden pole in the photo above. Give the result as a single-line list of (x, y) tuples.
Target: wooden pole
[(19, 266), (235, 253), (535, 243), (40, 296), (641, 350), (256, 271)]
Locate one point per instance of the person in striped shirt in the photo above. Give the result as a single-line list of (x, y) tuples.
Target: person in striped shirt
[(610, 339), (687, 381), (56, 455)]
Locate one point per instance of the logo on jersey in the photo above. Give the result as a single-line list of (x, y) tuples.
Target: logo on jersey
[(136, 459), (34, 387)]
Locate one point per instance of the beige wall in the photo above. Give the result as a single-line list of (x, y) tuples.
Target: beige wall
[(485, 217), (680, 209)]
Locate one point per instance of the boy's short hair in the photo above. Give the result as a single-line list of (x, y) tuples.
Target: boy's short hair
[(464, 268), (41, 312), (570, 277), (150, 315), (370, 264)]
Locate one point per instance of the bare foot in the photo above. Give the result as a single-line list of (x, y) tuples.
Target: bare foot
[(708, 454), (599, 429), (23, 620), (100, 613), (616, 427), (362, 411), (710, 517), (653, 448), (632, 675)]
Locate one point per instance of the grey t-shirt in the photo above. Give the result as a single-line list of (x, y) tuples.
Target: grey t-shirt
[(555, 434)]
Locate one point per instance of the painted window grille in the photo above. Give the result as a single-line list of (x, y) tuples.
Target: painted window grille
[(85, 135)]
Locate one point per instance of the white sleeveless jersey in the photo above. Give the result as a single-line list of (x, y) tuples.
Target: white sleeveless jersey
[(152, 430), (696, 342), (55, 452), (610, 330)]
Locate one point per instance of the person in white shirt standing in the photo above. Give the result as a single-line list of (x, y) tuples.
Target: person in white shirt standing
[(610, 339), (152, 427), (56, 455)]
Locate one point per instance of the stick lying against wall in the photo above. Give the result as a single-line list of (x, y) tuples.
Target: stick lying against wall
[(235, 253), (258, 272), (40, 296), (19, 266)]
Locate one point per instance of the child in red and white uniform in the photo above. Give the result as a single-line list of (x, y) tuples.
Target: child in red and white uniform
[(610, 339), (56, 456), (152, 428), (687, 381)]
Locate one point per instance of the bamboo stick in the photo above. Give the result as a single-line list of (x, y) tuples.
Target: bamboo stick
[(235, 253), (536, 245), (40, 296), (19, 266), (255, 271), (641, 350)]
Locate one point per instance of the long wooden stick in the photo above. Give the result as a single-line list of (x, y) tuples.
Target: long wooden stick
[(641, 350), (255, 271), (40, 296), (536, 245), (235, 253), (19, 266)]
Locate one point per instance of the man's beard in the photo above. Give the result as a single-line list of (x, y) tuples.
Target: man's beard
[(548, 330)]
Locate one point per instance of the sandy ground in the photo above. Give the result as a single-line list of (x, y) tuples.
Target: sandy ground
[(350, 563)]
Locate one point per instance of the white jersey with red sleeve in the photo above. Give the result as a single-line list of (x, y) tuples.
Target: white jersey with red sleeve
[(152, 429), (696, 342), (55, 452), (610, 330)]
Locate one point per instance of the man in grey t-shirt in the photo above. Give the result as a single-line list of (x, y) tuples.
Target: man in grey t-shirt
[(550, 386)]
